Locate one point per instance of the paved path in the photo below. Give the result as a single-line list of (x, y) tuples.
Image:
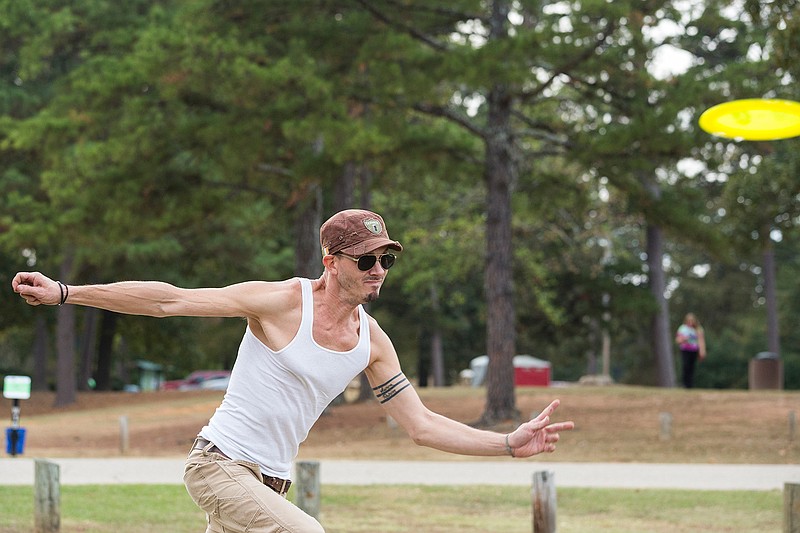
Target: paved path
[(84, 471)]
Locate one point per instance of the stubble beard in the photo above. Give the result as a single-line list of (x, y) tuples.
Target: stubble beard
[(356, 284), (374, 295)]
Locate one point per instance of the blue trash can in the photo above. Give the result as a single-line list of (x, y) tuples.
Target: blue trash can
[(15, 441)]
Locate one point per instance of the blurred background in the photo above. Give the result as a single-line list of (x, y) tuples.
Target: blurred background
[(540, 161)]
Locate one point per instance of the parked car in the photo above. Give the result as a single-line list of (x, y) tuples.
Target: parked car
[(216, 383), (200, 379)]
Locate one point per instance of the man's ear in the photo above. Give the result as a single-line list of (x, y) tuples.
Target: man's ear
[(328, 261)]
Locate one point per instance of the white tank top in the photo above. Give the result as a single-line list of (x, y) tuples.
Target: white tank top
[(274, 398)]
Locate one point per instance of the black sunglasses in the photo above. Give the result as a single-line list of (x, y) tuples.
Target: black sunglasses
[(366, 262)]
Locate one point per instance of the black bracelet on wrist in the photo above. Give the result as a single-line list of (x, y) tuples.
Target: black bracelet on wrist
[(62, 288)]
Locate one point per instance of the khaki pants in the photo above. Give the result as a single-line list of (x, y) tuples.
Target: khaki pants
[(236, 501)]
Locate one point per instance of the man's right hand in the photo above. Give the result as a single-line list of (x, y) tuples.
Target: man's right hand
[(36, 288)]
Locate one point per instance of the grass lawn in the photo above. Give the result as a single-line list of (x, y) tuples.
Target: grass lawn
[(349, 509)]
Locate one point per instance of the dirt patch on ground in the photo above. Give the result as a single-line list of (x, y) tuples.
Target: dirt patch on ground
[(612, 424)]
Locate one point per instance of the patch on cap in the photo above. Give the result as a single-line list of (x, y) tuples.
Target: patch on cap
[(373, 225)]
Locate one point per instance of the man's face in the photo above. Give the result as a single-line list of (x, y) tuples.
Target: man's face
[(364, 285)]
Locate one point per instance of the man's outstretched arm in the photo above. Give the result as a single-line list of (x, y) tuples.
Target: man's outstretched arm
[(427, 428), (150, 298)]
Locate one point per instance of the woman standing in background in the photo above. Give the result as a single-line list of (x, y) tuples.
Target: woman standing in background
[(692, 344)]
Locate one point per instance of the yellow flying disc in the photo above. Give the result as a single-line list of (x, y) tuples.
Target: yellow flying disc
[(753, 119)]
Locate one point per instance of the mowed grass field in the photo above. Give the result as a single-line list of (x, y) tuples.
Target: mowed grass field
[(613, 424), (394, 509)]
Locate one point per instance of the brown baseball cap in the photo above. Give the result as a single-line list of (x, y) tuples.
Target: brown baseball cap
[(355, 232)]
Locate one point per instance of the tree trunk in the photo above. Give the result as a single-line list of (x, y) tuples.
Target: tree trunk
[(365, 179), (606, 352), (770, 282), (345, 190), (436, 347), (659, 326), (41, 349), (423, 357), (606, 349), (437, 359), (501, 318), (501, 334), (88, 346), (105, 350), (308, 219), (65, 348), (660, 332)]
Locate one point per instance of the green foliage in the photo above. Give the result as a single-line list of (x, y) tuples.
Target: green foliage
[(175, 141)]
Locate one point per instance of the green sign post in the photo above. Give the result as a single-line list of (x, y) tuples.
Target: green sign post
[(16, 388)]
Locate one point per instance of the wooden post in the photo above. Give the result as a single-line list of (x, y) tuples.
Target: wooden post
[(544, 502), (791, 508), (666, 425), (124, 436), (792, 425), (307, 489), (47, 497)]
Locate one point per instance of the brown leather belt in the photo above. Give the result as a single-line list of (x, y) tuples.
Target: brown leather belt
[(281, 486)]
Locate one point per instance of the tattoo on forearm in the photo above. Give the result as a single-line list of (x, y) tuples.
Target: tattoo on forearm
[(391, 388)]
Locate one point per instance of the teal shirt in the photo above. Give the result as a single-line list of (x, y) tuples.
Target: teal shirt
[(690, 335)]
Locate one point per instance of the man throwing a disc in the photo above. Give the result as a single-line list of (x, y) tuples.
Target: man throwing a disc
[(304, 342)]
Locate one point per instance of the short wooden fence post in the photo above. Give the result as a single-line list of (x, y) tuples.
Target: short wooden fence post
[(791, 508), (47, 497), (124, 435), (666, 425), (307, 490), (543, 495)]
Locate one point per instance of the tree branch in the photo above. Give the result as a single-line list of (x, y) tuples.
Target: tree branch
[(440, 111), (272, 169), (539, 130), (569, 65), (430, 41)]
